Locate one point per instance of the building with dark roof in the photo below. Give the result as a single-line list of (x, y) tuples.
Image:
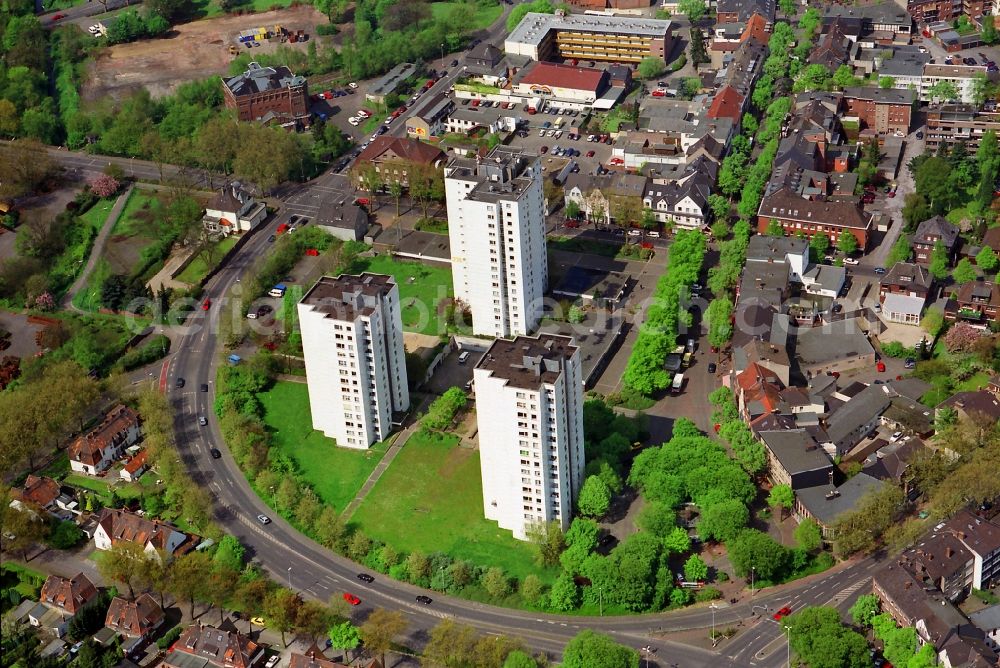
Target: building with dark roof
[(979, 405), (119, 525), (884, 110), (881, 22), (267, 94), (835, 347), (826, 503), (740, 11), (392, 156), (795, 458), (428, 120), (975, 302), (202, 646), (904, 291), (847, 425), (930, 232), (833, 48), (628, 39), (810, 217), (135, 619), (94, 451), (68, 594)]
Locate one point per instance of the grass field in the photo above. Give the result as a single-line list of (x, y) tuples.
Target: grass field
[(197, 270), (210, 8), (431, 499), (89, 297), (421, 290), (335, 473), (484, 14)]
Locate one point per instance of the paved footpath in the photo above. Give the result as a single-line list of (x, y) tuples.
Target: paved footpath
[(97, 250)]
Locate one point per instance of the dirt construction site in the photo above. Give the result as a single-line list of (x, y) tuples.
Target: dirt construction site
[(188, 52)]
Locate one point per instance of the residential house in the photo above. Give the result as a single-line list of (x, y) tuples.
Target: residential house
[(466, 119), (391, 157), (313, 657), (233, 210), (810, 217), (833, 48), (683, 201), (744, 67), (267, 94), (904, 291), (37, 492), (206, 646), (851, 422), (429, 119), (884, 110), (931, 11), (61, 598), (949, 124), (771, 356), (116, 525), (824, 280), (826, 503), (342, 217), (758, 393), (929, 233), (904, 596), (979, 405), (881, 22), (740, 11), (789, 251), (976, 302), (390, 82), (94, 451), (600, 197), (727, 103), (905, 66), (727, 38), (135, 466), (795, 459), (988, 620), (134, 619)]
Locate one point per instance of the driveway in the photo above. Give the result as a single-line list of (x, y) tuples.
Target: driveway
[(893, 207)]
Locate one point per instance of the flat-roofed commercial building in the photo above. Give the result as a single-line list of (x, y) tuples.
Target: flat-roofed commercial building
[(589, 37)]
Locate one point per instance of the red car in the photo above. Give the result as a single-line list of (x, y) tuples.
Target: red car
[(362, 201), (544, 149), (590, 154), (880, 367), (429, 84), (56, 17), (781, 614), (572, 224), (207, 304), (352, 599)]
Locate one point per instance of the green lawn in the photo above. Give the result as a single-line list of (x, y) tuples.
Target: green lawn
[(578, 245), (98, 213), (335, 473), (210, 8), (103, 486), (431, 499), (132, 222), (197, 270), (89, 297), (484, 15), (421, 290), (975, 382)]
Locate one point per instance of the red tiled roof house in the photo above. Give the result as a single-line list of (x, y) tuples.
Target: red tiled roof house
[(135, 619), (100, 447)]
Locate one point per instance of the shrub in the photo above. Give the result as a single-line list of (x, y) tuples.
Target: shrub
[(169, 638), (154, 349)]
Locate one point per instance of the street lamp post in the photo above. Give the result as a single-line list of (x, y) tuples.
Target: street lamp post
[(788, 645), (289, 577), (600, 594), (646, 651), (713, 608), (752, 569), (442, 54)]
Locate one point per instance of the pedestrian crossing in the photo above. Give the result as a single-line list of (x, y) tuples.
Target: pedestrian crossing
[(846, 593)]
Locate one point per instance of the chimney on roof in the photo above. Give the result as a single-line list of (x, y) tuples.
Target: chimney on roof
[(949, 552)]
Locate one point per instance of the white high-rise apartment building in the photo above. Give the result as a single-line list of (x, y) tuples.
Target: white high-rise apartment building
[(529, 406), (352, 339), (496, 225)]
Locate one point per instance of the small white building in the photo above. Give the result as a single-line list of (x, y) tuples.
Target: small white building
[(352, 341), (117, 525), (96, 450), (824, 280), (233, 211), (529, 407)]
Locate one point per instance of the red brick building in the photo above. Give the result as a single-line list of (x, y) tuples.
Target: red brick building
[(268, 95), (611, 4), (929, 11), (799, 215), (887, 111)]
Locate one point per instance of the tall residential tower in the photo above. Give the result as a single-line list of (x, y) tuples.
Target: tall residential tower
[(529, 406), (496, 225), (352, 339)]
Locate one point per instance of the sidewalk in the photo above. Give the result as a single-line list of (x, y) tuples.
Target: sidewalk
[(97, 250)]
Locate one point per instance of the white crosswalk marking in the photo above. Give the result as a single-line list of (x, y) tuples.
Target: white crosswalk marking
[(845, 593)]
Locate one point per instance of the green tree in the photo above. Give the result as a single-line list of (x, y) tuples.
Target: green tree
[(657, 518), (980, 88), (939, 261), (548, 540), (844, 77), (593, 650), (651, 67), (345, 636), (719, 207), (572, 209), (943, 91), (986, 259), (595, 497), (125, 562), (900, 251), (519, 659), (886, 82), (933, 321), (281, 609), (808, 535), (677, 541), (812, 77), (723, 521), (230, 553), (964, 271), (847, 243), (817, 636), (697, 49), (695, 569), (864, 610), (781, 498), (694, 10), (989, 32), (565, 595), (819, 245), (495, 582), (720, 326), (774, 228), (752, 548)]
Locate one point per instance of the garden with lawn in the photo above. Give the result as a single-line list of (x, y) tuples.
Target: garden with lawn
[(286, 414), (483, 14), (199, 267), (430, 499), (422, 289)]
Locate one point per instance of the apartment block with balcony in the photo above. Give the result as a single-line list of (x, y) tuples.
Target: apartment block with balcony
[(976, 302), (952, 123), (620, 39), (496, 227), (529, 407), (352, 341)]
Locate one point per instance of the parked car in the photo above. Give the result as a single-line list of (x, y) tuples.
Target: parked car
[(463, 356), (879, 270), (365, 577), (909, 363), (711, 367), (590, 154), (202, 421), (352, 85), (204, 387)]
